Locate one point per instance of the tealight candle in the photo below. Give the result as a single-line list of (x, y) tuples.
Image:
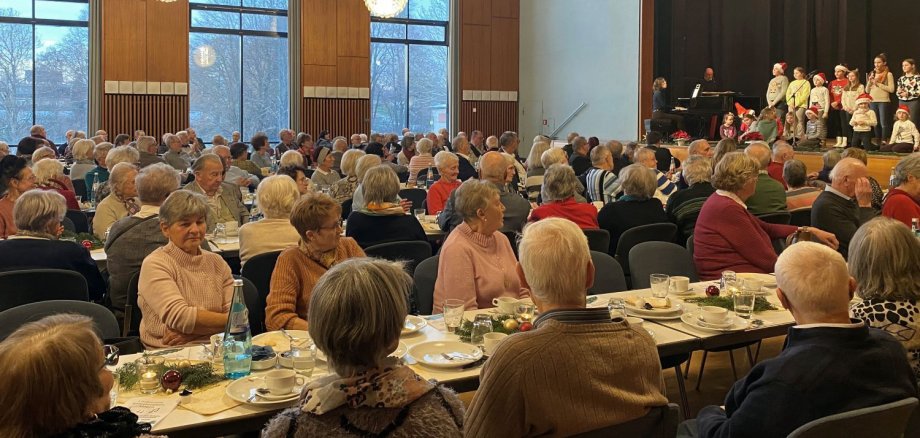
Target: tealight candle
[(149, 382)]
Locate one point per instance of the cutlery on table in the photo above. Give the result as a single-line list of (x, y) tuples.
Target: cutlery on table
[(259, 392)]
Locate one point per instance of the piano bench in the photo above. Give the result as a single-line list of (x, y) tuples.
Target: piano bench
[(663, 126)]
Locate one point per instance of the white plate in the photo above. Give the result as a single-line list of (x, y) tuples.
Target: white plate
[(413, 324), (672, 312), (767, 279), (692, 320), (719, 326), (242, 389), (652, 317), (258, 365), (429, 353)]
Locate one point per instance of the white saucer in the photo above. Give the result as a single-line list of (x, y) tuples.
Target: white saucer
[(692, 319), (413, 324), (243, 389)]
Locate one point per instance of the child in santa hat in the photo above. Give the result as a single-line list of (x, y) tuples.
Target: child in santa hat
[(815, 129), (904, 136), (838, 114), (749, 130), (863, 122), (776, 89), (851, 92), (819, 95)]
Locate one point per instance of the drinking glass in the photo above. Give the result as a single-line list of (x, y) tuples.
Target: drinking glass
[(727, 277), (453, 314), (420, 214), (525, 312), (481, 325), (744, 303), (303, 356), (220, 233), (617, 309), (660, 284)]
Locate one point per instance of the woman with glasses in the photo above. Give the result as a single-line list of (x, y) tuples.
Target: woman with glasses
[(56, 382), (318, 220)]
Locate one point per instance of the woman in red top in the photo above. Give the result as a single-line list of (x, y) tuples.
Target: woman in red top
[(448, 166), (49, 175), (902, 201), (558, 193)]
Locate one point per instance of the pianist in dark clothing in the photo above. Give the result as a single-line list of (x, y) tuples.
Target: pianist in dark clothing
[(709, 84), (660, 106)]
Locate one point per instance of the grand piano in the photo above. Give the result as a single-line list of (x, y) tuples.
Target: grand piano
[(703, 113)]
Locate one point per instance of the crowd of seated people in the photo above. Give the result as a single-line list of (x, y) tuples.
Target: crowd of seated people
[(500, 240)]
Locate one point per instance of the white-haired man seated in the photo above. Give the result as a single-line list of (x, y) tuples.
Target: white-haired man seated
[(577, 370), (830, 364)]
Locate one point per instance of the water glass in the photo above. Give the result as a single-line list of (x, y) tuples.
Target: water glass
[(220, 233), (420, 214), (728, 277), (660, 284), (525, 312), (481, 325), (744, 303), (617, 309), (453, 314), (303, 356)]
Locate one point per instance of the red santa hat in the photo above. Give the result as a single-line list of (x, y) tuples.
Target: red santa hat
[(812, 110), (864, 98), (903, 109), (781, 66), (842, 67), (823, 78)]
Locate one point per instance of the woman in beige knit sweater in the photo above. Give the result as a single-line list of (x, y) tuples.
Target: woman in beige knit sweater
[(276, 197), (357, 312), (183, 292), (318, 220)]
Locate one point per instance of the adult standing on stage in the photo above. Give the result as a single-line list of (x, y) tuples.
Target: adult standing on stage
[(660, 106), (776, 90), (838, 114), (880, 85), (909, 89)]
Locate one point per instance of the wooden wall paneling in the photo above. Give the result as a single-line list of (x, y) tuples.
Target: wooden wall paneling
[(339, 116), (476, 12), (506, 8), (353, 29), (167, 41), (492, 118), (322, 75), (155, 114), (319, 32), (124, 42), (353, 72), (506, 47), (475, 56)]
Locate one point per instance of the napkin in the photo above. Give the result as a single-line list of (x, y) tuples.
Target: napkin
[(209, 401)]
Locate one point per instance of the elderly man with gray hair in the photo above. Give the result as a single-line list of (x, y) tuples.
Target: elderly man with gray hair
[(684, 206), (555, 264), (782, 152), (846, 202), (147, 148), (579, 160), (829, 365), (601, 180), (769, 195), (175, 156), (801, 194), (224, 200)]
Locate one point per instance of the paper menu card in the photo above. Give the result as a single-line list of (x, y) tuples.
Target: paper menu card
[(151, 409)]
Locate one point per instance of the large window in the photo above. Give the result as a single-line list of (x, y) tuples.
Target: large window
[(238, 63), (409, 68), (44, 66)]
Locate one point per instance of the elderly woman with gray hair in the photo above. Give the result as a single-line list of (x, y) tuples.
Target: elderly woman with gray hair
[(422, 160), (134, 237), (324, 175), (449, 167), (382, 220), (83, 159), (801, 194), (727, 236), (276, 197), (684, 206), (38, 215), (357, 338), (49, 175), (477, 263), (122, 202), (558, 193), (889, 289), (638, 205), (121, 154), (344, 189), (364, 164), (903, 201), (299, 175), (184, 292)]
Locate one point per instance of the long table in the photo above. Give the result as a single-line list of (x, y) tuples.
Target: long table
[(671, 337)]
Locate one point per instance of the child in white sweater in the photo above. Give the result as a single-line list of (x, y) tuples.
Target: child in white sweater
[(819, 96), (904, 136), (863, 122)]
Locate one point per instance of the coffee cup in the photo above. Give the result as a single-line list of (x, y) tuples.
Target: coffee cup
[(505, 305), (680, 285), (282, 382), (713, 314), (634, 321), (491, 340)]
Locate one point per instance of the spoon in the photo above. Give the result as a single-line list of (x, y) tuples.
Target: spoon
[(259, 392)]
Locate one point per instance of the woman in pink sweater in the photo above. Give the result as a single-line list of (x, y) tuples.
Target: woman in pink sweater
[(727, 236), (477, 263)]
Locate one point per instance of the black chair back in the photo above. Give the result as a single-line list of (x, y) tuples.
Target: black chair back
[(659, 422), (608, 275), (660, 258), (889, 420), (258, 270), (34, 285), (780, 217), (800, 217), (598, 240), (68, 225), (106, 326), (79, 188), (663, 232), (690, 244), (254, 306), (79, 219), (422, 175), (412, 252), (513, 240), (133, 314), (346, 208), (426, 273), (414, 195)]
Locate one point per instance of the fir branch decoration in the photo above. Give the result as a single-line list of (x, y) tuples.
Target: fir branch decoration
[(498, 325), (760, 303), (194, 376)]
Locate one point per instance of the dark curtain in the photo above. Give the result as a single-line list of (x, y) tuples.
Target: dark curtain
[(741, 40)]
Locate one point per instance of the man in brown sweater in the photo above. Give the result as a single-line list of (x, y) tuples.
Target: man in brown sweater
[(577, 370)]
